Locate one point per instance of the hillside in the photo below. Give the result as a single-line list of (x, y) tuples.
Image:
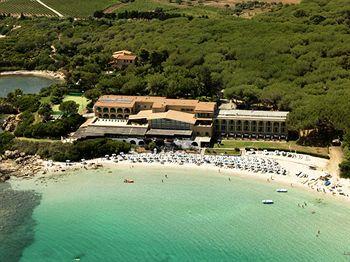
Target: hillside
[(85, 8)]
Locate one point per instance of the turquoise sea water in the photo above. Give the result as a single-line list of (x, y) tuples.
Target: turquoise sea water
[(29, 84), (190, 216)]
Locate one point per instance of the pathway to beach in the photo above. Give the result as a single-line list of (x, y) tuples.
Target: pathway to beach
[(336, 157)]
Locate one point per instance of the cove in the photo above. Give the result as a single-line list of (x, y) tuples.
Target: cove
[(191, 216), (29, 84)]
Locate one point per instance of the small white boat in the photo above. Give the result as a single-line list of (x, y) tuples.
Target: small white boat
[(267, 201), (282, 190)]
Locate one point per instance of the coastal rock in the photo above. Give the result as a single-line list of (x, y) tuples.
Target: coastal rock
[(12, 154), (4, 177), (10, 123)]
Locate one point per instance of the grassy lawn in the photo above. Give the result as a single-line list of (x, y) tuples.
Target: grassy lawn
[(291, 145), (150, 5), (218, 151), (79, 8), (36, 139), (80, 100)]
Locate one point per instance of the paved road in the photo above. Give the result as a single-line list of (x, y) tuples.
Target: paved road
[(53, 10)]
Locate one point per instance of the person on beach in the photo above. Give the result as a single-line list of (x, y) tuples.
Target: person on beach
[(162, 181), (229, 179), (166, 176)]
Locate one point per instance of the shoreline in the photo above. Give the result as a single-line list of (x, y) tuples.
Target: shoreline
[(278, 180), (40, 73), (312, 184)]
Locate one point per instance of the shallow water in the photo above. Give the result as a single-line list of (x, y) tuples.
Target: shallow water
[(191, 216), (29, 84)]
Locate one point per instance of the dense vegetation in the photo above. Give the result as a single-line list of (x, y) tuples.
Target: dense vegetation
[(5, 139), (58, 151), (295, 58), (36, 116)]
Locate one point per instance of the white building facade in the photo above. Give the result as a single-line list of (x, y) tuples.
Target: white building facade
[(251, 123)]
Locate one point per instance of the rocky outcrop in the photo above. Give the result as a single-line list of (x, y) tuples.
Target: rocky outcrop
[(10, 123), (18, 164), (4, 177)]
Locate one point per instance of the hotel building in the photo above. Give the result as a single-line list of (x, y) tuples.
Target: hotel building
[(138, 117), (251, 123), (186, 122)]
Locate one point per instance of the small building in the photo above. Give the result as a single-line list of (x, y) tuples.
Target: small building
[(251, 123), (123, 58)]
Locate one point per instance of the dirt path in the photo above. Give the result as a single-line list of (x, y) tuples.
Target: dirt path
[(336, 157), (53, 10)]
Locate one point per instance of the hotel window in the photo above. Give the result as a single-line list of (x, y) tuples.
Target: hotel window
[(105, 110), (239, 125), (223, 124), (246, 126)]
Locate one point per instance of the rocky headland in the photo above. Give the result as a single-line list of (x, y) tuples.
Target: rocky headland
[(18, 164)]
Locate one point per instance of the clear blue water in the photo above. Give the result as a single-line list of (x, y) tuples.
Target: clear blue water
[(29, 84), (191, 216)]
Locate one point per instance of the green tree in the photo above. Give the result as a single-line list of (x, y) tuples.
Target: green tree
[(45, 111), (69, 108)]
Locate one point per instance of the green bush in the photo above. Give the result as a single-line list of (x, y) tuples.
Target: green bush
[(58, 151), (345, 169), (5, 139)]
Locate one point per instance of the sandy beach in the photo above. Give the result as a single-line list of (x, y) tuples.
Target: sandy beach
[(311, 179), (40, 73)]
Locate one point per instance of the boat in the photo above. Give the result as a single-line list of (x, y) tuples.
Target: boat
[(281, 190), (128, 181), (267, 201)]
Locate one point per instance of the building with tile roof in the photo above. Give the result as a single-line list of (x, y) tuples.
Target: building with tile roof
[(123, 58)]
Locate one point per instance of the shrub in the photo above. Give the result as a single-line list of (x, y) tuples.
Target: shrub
[(58, 151), (345, 169)]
